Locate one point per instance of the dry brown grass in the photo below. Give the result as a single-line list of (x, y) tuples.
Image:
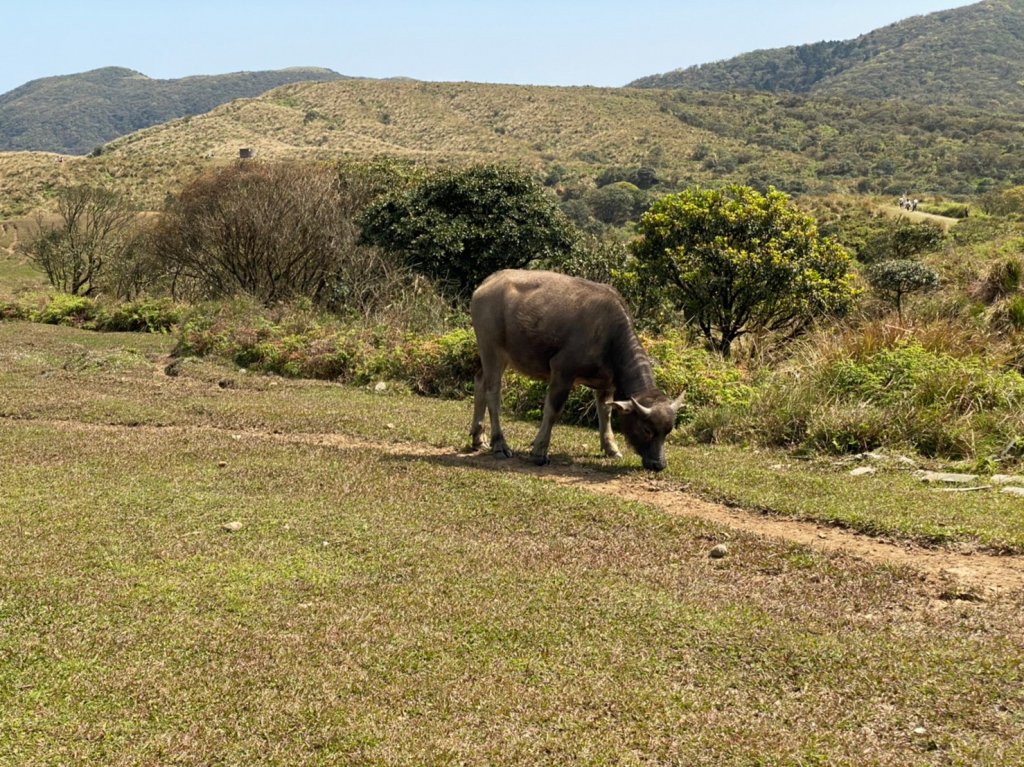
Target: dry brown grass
[(582, 129)]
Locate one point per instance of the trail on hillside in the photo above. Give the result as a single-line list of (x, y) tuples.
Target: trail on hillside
[(918, 216), (952, 574)]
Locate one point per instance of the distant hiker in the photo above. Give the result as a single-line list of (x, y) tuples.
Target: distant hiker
[(913, 205)]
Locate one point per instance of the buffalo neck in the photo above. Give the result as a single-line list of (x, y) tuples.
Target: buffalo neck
[(631, 367)]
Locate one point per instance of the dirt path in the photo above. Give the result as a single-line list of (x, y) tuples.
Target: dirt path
[(956, 575), (952, 574), (917, 216)]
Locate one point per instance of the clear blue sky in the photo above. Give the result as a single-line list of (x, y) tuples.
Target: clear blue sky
[(539, 42)]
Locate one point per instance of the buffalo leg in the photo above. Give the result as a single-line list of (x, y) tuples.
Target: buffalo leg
[(487, 397), (558, 393), (604, 421), (476, 429)]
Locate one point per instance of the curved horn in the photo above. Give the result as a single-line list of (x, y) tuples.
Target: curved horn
[(644, 411), (678, 402)]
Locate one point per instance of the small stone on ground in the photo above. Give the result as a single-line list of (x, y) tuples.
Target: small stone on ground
[(947, 477)]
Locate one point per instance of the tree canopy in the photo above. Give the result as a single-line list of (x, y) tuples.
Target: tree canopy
[(736, 261), (897, 278), (459, 226)]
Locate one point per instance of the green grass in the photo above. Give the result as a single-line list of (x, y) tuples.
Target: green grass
[(892, 503), (376, 610), (115, 379), (17, 274), (379, 608)]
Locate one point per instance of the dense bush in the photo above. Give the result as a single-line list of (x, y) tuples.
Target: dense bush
[(139, 316), (459, 226), (946, 208), (901, 395), (66, 309), (616, 204), (11, 309), (1003, 202), (899, 239), (143, 315), (642, 177), (734, 262), (300, 342)]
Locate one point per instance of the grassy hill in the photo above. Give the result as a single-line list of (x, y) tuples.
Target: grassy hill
[(110, 102), (968, 56), (930, 105), (567, 136)]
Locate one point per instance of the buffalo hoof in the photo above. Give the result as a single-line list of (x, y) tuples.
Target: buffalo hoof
[(501, 451), (540, 460)]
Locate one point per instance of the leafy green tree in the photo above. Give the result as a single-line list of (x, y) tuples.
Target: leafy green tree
[(899, 239), (896, 278), (459, 226), (736, 261), (1003, 202), (616, 204)]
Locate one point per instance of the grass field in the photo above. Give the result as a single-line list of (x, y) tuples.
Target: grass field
[(376, 606), (16, 273)]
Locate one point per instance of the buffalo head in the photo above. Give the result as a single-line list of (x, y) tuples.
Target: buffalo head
[(646, 421)]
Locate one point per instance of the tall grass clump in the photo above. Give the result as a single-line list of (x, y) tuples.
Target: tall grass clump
[(875, 387), (300, 341)]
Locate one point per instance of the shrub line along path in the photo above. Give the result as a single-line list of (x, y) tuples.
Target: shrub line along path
[(952, 574)]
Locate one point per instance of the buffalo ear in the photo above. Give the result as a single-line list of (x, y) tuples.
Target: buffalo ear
[(632, 406)]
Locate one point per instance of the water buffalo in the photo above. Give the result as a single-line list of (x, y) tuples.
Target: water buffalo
[(566, 330)]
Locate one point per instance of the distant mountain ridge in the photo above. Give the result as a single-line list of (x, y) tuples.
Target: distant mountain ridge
[(971, 56), (73, 114)]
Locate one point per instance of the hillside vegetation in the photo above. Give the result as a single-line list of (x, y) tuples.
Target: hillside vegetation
[(967, 56), (73, 114), (568, 137)]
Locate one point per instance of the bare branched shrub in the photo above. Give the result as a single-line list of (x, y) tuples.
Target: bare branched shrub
[(94, 229), (276, 232), (134, 271), (264, 230)]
